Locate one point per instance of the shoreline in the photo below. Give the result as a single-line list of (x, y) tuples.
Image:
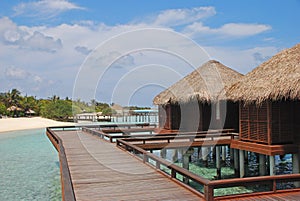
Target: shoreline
[(27, 123)]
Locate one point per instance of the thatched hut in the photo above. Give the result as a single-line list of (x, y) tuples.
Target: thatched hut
[(269, 105), (193, 102)]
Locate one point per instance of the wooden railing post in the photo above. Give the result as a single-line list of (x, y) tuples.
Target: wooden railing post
[(208, 193), (157, 165), (274, 186), (145, 158), (173, 173)]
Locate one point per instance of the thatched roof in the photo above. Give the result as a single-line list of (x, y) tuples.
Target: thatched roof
[(203, 84), (275, 79)]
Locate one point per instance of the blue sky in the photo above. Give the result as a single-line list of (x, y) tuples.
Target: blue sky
[(45, 44)]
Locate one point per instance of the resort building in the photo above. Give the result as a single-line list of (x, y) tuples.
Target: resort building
[(195, 103), (269, 109)]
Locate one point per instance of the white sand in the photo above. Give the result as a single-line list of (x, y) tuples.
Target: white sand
[(13, 124)]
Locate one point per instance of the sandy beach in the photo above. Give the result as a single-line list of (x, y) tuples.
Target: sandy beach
[(14, 124)]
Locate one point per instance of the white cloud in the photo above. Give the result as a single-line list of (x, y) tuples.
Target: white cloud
[(44, 8), (70, 44), (230, 29), (242, 60), (26, 38), (83, 50), (16, 73), (240, 29), (40, 42), (175, 17)]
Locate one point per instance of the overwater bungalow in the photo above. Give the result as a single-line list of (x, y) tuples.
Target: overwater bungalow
[(269, 105), (192, 104)]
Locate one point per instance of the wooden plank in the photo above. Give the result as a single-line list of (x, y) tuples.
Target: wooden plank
[(101, 171)]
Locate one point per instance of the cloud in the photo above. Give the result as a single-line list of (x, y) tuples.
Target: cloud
[(230, 29), (27, 38), (240, 29), (259, 58), (38, 41), (83, 50), (176, 17), (74, 41), (16, 73), (242, 60), (44, 8)]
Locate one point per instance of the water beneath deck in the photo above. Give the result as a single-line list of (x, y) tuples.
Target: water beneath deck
[(29, 167)]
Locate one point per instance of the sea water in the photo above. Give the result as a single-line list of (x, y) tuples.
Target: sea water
[(29, 168)]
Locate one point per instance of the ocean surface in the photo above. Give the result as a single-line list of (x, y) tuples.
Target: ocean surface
[(29, 167)]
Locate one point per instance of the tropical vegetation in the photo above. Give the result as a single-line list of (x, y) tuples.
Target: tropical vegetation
[(14, 104)]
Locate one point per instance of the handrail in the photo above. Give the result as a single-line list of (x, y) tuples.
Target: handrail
[(153, 137), (121, 125), (248, 181), (210, 186), (159, 161), (66, 181)]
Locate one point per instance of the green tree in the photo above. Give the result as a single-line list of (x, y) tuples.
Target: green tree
[(12, 98), (3, 110), (57, 109), (29, 103)]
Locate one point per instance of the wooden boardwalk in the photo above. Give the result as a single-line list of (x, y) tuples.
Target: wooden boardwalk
[(101, 171)]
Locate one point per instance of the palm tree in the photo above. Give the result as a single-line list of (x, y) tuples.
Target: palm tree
[(12, 98)]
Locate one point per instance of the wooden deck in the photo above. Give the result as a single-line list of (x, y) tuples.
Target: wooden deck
[(101, 171), (95, 169)]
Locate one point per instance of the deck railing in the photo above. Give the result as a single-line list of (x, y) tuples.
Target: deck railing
[(66, 182), (124, 134), (208, 187)]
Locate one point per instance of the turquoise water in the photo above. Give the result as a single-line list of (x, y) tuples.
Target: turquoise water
[(29, 167)]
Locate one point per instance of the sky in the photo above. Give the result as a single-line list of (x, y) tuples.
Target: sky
[(127, 51)]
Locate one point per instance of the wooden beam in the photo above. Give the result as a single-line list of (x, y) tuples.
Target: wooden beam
[(270, 150), (172, 145)]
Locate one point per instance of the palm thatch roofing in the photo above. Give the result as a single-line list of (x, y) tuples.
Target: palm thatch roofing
[(203, 84), (276, 79)]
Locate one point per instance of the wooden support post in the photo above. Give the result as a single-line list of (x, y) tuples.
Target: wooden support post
[(236, 162), (242, 163), (205, 155), (175, 155), (199, 153), (272, 165), (296, 167), (186, 162), (246, 156), (163, 153), (218, 162), (262, 165), (231, 154), (214, 152), (223, 154)]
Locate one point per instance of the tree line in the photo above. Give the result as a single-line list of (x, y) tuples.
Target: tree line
[(14, 104)]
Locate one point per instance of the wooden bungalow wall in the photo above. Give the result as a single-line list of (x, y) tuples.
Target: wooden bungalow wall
[(169, 116), (270, 123), (199, 116)]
